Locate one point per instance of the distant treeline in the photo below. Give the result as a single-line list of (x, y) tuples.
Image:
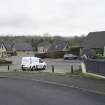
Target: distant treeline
[(35, 40)]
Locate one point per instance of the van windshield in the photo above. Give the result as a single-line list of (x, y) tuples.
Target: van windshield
[(40, 61)]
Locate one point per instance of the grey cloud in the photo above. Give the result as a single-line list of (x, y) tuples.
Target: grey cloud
[(18, 22), (53, 16), (13, 22)]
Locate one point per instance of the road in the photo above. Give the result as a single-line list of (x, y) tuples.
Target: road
[(16, 91)]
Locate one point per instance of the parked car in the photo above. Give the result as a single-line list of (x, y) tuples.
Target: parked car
[(32, 63), (70, 57)]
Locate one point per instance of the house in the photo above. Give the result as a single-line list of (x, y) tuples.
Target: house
[(23, 49), (43, 47), (5, 49), (76, 45), (96, 42), (58, 49)]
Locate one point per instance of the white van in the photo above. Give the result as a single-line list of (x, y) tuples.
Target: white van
[(32, 63)]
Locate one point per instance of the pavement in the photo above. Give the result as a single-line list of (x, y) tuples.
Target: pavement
[(25, 89)]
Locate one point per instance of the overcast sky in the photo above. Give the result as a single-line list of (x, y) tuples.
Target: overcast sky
[(57, 17)]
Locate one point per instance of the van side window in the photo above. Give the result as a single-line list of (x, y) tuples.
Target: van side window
[(40, 61)]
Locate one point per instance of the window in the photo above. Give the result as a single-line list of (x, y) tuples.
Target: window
[(40, 61)]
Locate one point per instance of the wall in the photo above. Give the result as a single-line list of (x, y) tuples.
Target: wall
[(95, 66)]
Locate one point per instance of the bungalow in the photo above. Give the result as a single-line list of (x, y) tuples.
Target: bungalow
[(23, 49), (58, 49), (95, 41)]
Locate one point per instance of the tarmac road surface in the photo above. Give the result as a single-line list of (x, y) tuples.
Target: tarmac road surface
[(17, 91)]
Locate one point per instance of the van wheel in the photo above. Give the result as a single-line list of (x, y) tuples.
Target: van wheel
[(36, 68), (22, 68), (33, 68)]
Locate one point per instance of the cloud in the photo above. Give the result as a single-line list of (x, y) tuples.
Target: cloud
[(64, 17)]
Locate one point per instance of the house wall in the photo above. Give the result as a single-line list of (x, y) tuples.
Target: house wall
[(24, 53), (3, 52), (42, 50)]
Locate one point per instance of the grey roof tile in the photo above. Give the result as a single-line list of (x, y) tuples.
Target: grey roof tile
[(23, 46), (95, 40), (59, 46)]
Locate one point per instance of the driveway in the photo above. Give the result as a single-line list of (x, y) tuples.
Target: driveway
[(16, 91), (60, 65)]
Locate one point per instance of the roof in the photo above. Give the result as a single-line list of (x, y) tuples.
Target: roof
[(59, 46), (23, 46), (95, 40), (44, 44), (7, 44)]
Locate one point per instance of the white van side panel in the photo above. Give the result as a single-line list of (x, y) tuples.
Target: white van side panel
[(32, 61)]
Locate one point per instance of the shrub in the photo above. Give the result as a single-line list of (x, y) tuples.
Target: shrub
[(5, 62)]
